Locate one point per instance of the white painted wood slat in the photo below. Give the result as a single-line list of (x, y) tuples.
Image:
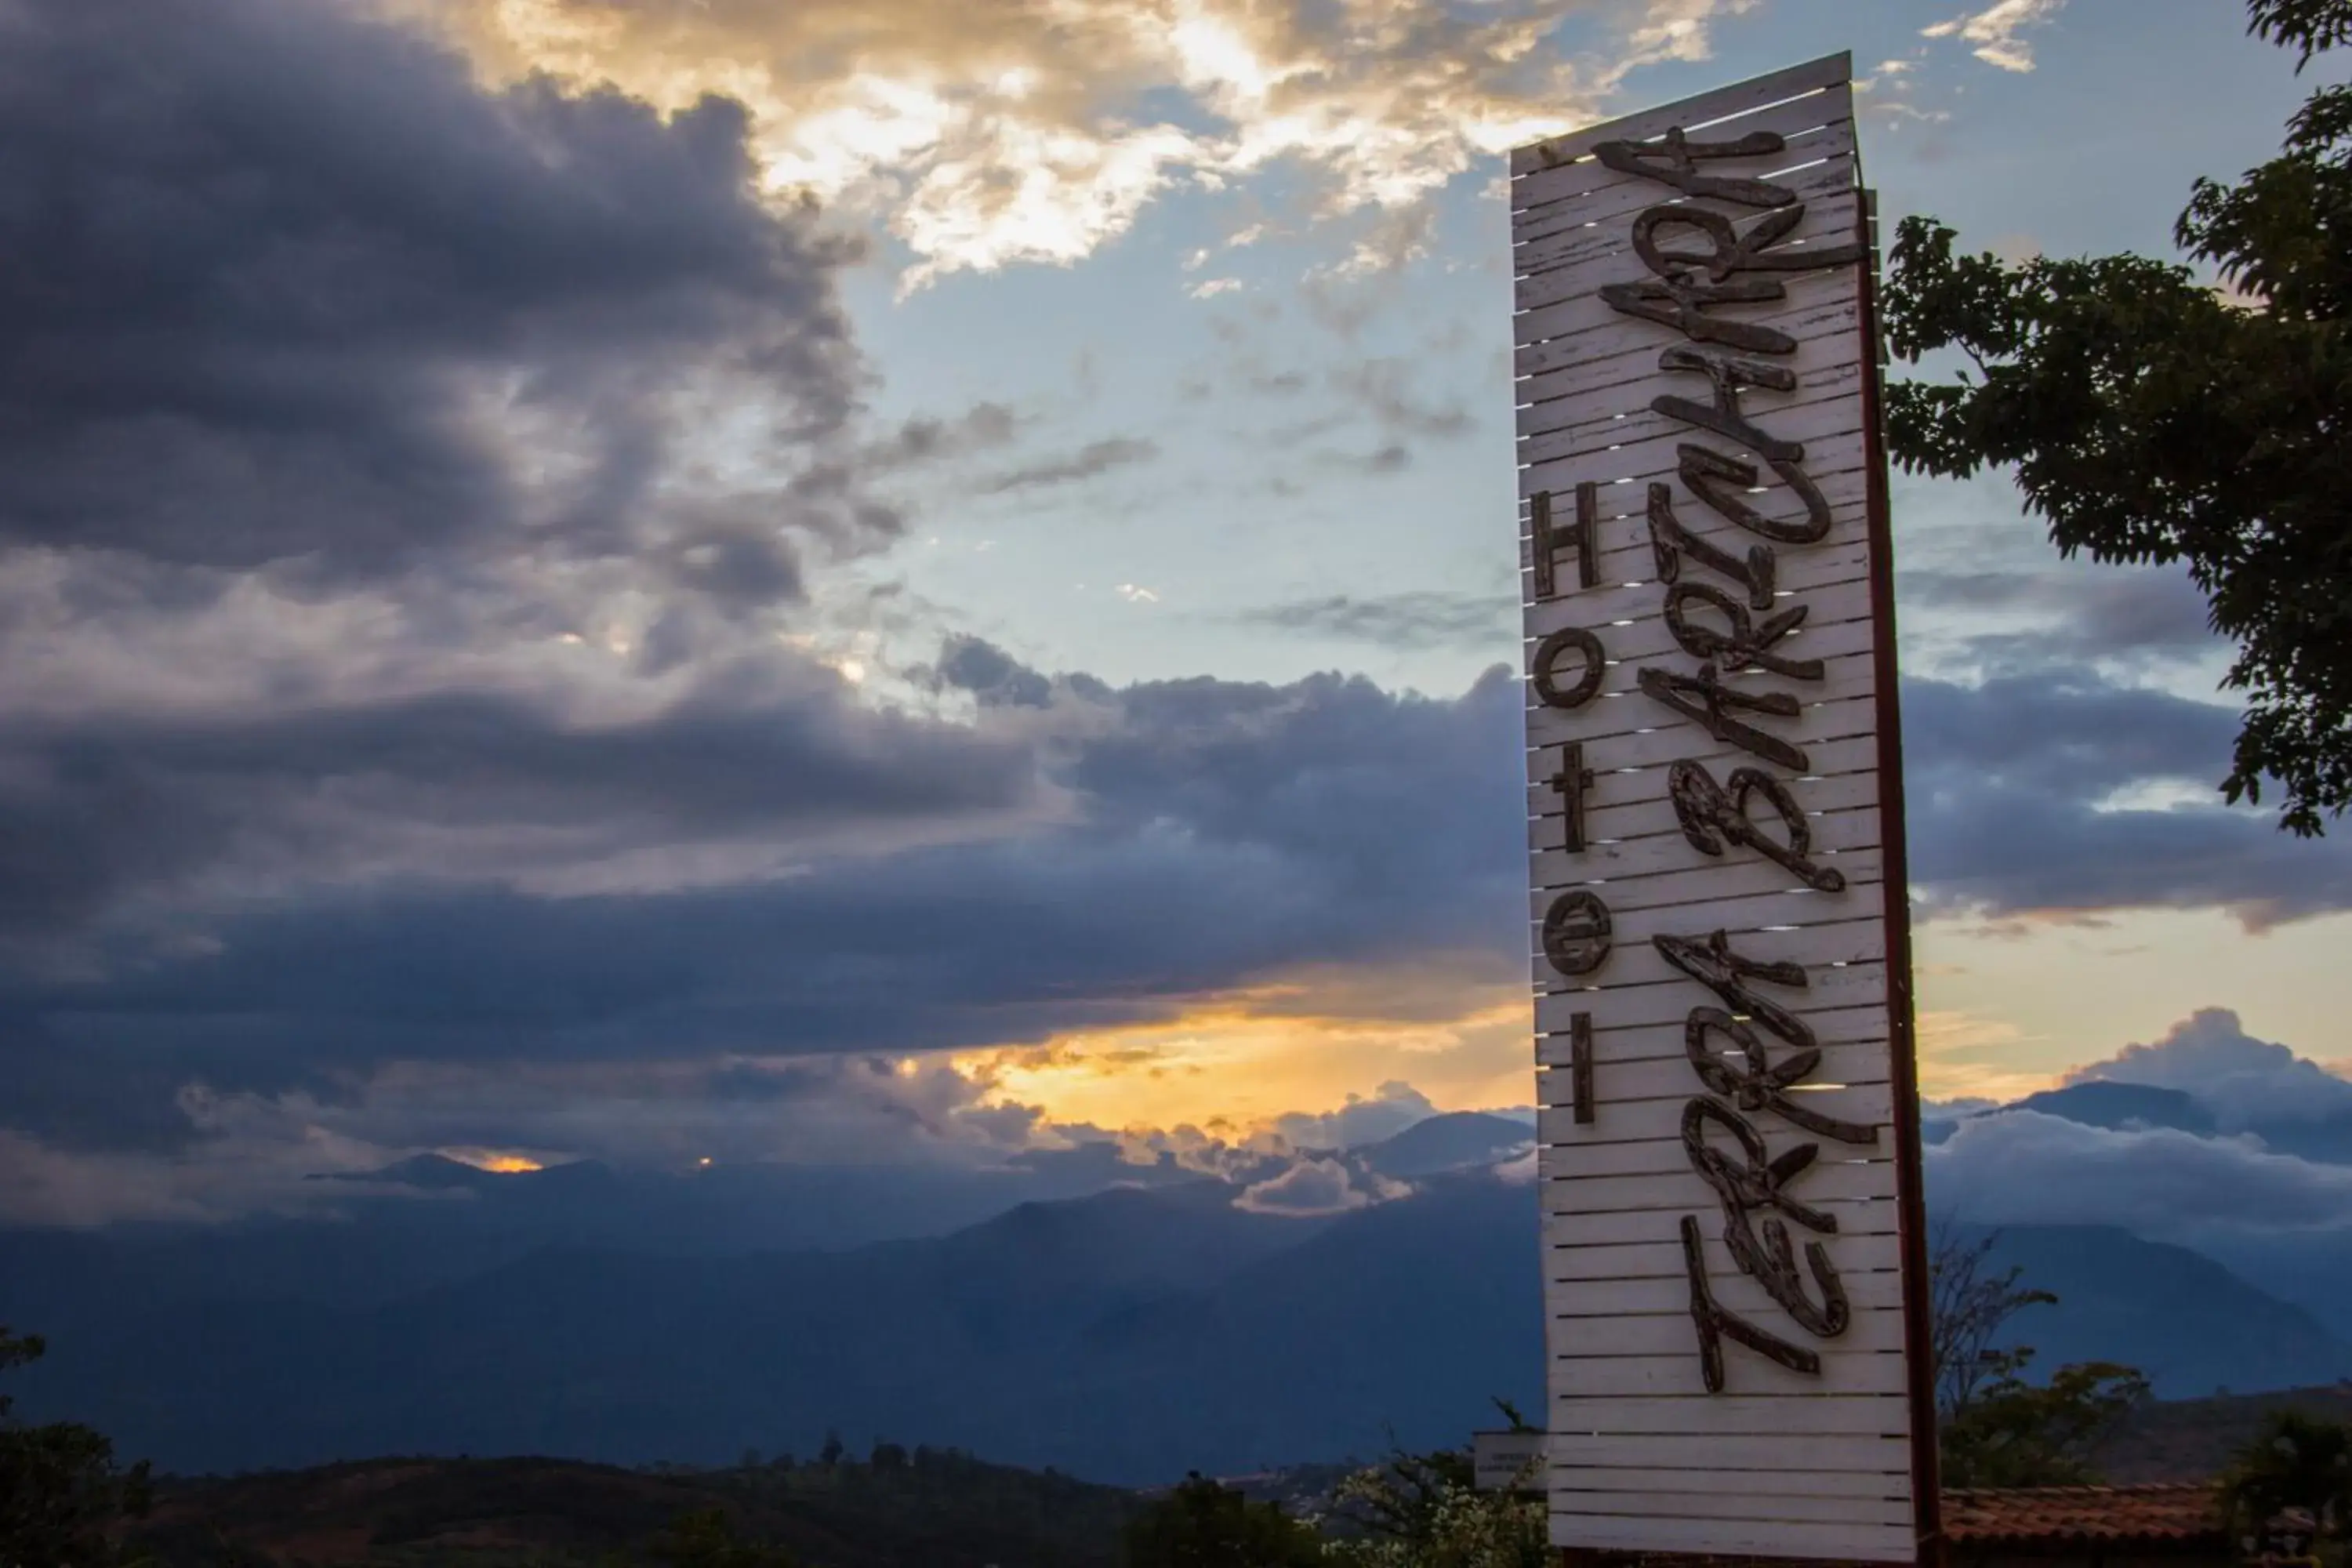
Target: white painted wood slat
[(1728, 112), (1654, 994), (1562, 1191), (1817, 165), (1808, 1466), (1831, 1027), (1649, 1532), (1761, 1414), (1608, 257), (1612, 1227)]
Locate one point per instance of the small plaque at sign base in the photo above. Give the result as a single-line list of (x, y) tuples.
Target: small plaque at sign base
[(1507, 1461)]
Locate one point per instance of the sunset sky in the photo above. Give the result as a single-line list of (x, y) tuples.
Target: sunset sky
[(845, 580)]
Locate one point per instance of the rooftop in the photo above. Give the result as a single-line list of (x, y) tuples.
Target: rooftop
[(2171, 1510)]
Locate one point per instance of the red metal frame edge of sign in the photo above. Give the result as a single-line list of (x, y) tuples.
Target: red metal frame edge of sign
[(1918, 1328)]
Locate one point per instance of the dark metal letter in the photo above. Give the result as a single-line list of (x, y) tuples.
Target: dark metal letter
[(1757, 1083), (1580, 1065), (1717, 1324), (1710, 817), (1577, 932), (1707, 701), (1670, 542), (1547, 652), (1705, 471), (1729, 251), (1674, 160), (1744, 644), (1679, 303), (1573, 780), (1547, 541), (1723, 416), (1770, 1260), (1713, 964)]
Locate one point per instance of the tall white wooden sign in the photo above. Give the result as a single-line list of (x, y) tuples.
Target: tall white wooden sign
[(1729, 1157)]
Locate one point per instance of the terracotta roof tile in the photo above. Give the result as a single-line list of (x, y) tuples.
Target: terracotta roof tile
[(2166, 1511)]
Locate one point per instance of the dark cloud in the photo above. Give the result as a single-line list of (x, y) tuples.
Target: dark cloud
[(1424, 619), (1094, 457), (992, 675), (1209, 832), (2106, 612), (2055, 792), (284, 290), (114, 811)]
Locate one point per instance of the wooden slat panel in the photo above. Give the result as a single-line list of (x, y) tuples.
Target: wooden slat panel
[(1659, 995), (1626, 558), (1620, 786), (1561, 1193), (1616, 1227), (1734, 109), (1630, 469), (1630, 619), (1815, 163), (1653, 1121), (1662, 1259), (1674, 1338), (1733, 875), (1762, 1414), (1622, 1047), (1762, 913), (1574, 1377), (1610, 258), (1808, 1466), (1664, 1157), (1613, 1190), (1841, 624), (1818, 303), (1651, 735), (1849, 675), (1772, 1505), (1623, 807), (1599, 403), (1845, 840), (1844, 1543), (1818, 164)]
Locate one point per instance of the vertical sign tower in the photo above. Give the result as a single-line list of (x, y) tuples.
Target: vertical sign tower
[(1734, 1272)]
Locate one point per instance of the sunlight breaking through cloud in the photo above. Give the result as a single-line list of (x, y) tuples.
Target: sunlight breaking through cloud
[(1038, 130)]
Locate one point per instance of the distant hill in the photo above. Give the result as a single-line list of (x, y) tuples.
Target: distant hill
[(2192, 1325), (2190, 1439), (2097, 1102), (1125, 1337), (1456, 1142), (933, 1509)]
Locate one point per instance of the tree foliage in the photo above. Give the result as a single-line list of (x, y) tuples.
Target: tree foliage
[(1969, 1308), (1995, 1426), (2017, 1433), (1203, 1524), (2153, 419), (1424, 1510), (705, 1540), (60, 1490), (2295, 1462)]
